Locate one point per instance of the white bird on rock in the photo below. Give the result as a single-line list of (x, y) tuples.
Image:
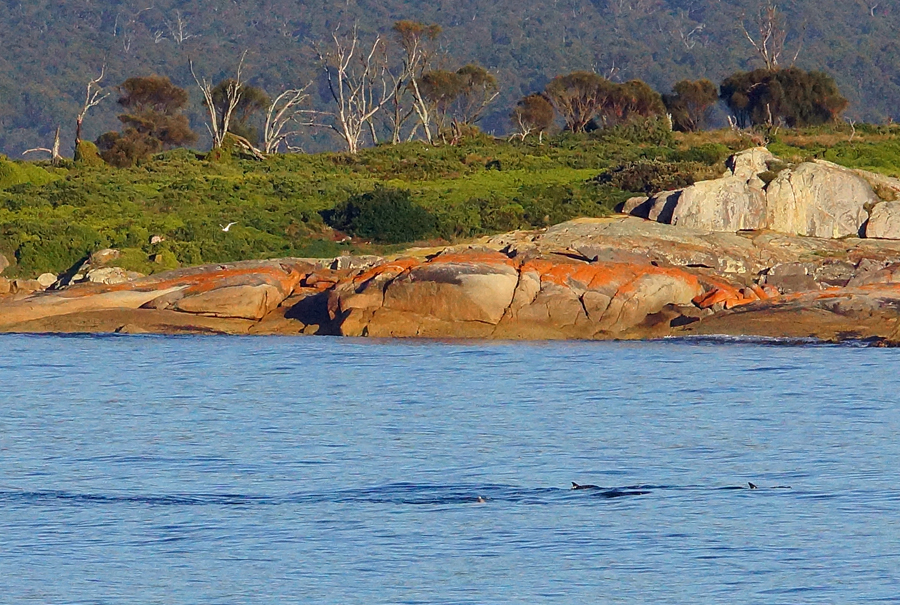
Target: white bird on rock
[(228, 226)]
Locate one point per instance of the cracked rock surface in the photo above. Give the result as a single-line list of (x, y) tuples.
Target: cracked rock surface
[(614, 278)]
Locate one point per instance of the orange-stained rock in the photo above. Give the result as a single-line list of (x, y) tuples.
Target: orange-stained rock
[(248, 290), (440, 297), (835, 314), (760, 292), (476, 293), (599, 297), (241, 302)]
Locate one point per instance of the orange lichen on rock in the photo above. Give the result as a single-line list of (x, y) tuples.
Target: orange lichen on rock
[(730, 296), (472, 256), (245, 290), (597, 275)]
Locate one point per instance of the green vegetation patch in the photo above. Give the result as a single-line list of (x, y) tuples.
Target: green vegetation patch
[(385, 215), (171, 209), (18, 173)]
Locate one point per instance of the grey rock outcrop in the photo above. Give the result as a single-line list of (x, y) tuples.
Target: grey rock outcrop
[(886, 187), (816, 199), (633, 203), (102, 257), (749, 163), (47, 279), (792, 277), (4, 263), (819, 199), (111, 275), (884, 221), (659, 208), (733, 203), (728, 204)]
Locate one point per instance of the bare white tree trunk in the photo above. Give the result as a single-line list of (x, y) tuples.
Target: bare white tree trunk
[(358, 83), (415, 62), (92, 98), (55, 158), (218, 125), (283, 114), (769, 43), (423, 110), (178, 28)]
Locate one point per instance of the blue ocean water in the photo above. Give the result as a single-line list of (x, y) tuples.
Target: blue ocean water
[(149, 469)]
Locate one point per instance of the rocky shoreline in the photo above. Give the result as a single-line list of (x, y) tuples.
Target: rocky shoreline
[(616, 278), (677, 272)]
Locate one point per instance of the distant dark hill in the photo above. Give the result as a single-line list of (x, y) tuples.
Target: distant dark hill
[(51, 49)]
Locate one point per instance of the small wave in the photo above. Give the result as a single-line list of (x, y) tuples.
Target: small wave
[(408, 494), (33, 497), (719, 339), (773, 341)]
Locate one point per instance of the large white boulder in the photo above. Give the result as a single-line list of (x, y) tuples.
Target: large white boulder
[(819, 199), (884, 221), (727, 204)]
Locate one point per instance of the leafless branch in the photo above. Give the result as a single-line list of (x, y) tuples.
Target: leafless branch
[(178, 28), (93, 97), (358, 84), (218, 125), (53, 151), (769, 43), (284, 118)]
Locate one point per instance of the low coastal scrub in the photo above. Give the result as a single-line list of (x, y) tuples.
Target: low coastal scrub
[(384, 215), (173, 208)]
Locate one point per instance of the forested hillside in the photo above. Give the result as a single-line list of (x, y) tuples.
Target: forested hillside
[(52, 49)]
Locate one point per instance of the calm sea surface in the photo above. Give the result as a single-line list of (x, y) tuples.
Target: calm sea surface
[(315, 470)]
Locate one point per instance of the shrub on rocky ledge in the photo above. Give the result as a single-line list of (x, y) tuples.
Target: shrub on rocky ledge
[(654, 176)]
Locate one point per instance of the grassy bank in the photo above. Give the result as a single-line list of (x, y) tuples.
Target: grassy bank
[(51, 217)]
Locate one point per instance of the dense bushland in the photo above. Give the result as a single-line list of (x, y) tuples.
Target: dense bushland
[(170, 208)]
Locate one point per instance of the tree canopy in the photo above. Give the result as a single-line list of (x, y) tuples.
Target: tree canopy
[(792, 97), (153, 121), (690, 104), (524, 44)]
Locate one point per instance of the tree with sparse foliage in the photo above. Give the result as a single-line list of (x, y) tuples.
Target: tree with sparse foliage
[(153, 121), (578, 96), (533, 114), (251, 101), (458, 99), (417, 42), (357, 78), (690, 104)]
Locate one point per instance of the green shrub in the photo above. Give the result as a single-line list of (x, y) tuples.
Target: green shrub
[(558, 203), (18, 173), (653, 176), (87, 154), (709, 154), (655, 130), (385, 215)]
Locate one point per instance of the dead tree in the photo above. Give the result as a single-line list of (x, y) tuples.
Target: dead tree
[(284, 118), (93, 97), (772, 33), (55, 158), (218, 124), (358, 83), (416, 40), (178, 28)]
